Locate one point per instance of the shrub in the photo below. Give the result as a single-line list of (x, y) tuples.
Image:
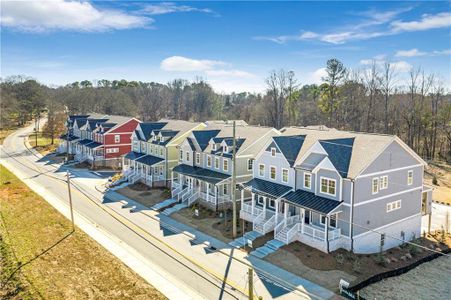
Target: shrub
[(434, 180), (356, 266), (340, 259), (380, 260)]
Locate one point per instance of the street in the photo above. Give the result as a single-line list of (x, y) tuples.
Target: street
[(169, 260)]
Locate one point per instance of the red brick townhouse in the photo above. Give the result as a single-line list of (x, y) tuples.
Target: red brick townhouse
[(104, 140)]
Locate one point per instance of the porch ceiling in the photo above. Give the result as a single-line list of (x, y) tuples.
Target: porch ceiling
[(201, 173), (274, 189), (311, 201), (149, 160)]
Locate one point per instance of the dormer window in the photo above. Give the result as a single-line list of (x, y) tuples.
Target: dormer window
[(213, 147), (273, 152), (226, 149)]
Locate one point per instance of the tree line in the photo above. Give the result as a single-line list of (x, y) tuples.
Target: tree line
[(417, 109)]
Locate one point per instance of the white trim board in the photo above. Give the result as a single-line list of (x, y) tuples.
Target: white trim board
[(387, 196), (388, 171)]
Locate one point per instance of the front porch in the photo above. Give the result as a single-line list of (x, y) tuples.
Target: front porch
[(147, 169), (191, 184)]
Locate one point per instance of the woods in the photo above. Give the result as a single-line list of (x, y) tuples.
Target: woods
[(375, 99)]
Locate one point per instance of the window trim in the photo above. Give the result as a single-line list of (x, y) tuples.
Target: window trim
[(336, 220), (273, 149), (225, 189), (275, 172), (187, 156), (328, 179), (374, 192), (382, 180), (310, 181), (213, 147), (252, 166), (225, 163), (197, 158), (258, 200), (269, 203), (409, 177), (180, 154), (321, 219), (288, 175), (117, 138), (259, 169), (217, 163), (394, 205), (209, 161)]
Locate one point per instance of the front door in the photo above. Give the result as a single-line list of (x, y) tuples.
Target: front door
[(307, 216)]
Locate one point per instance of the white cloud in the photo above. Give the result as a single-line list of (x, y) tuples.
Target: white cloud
[(184, 64), (409, 53), (40, 16), (401, 66), (318, 75), (170, 7), (442, 52), (427, 22), (229, 73)]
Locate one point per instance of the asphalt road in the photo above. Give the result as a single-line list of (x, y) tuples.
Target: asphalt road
[(196, 281)]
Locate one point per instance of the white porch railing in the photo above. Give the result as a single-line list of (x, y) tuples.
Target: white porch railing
[(224, 199), (148, 179), (182, 193), (207, 197), (193, 198), (158, 177), (292, 232), (248, 214), (320, 233), (186, 195), (175, 185), (176, 191)]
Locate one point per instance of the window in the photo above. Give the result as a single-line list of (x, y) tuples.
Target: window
[(333, 221), (273, 172), (410, 177), (112, 150), (285, 175), (161, 151), (273, 152), (213, 147), (261, 170), (328, 186), (272, 203), (226, 149), (217, 162), (260, 200), (322, 219), (181, 154), (383, 182), (307, 180), (198, 158), (375, 186), (225, 189), (187, 155), (250, 164), (208, 161), (225, 164), (117, 138), (391, 206)]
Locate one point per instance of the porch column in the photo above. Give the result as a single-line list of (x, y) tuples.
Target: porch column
[(264, 207), (252, 202), (216, 194), (302, 220), (242, 198), (327, 234), (199, 184), (285, 213), (208, 192), (277, 211), (172, 179)]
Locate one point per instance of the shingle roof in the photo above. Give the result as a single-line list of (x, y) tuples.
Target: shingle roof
[(191, 144), (93, 145), (204, 136), (311, 201), (133, 155), (201, 173), (80, 122), (266, 187), (339, 152), (149, 160), (290, 146), (147, 128)]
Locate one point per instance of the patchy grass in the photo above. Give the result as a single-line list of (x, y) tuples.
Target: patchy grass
[(5, 132), (44, 143), (75, 268), (442, 188), (144, 194)]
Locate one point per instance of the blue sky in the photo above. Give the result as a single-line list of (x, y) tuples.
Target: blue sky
[(233, 45)]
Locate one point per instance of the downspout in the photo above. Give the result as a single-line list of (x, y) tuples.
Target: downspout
[(351, 231)]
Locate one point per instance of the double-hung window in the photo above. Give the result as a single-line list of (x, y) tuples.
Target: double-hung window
[(208, 161), (181, 154), (225, 189), (216, 162), (273, 172), (117, 138), (187, 156), (197, 158), (285, 175), (250, 164), (307, 180), (391, 206), (261, 170), (410, 177), (375, 186), (383, 182), (273, 152), (328, 186), (225, 164)]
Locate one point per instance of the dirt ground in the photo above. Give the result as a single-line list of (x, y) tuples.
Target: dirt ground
[(144, 194), (442, 171), (431, 280), (328, 269), (75, 267), (210, 222)]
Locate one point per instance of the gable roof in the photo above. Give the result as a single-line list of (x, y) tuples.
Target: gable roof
[(289, 146), (147, 128), (339, 152), (204, 136)]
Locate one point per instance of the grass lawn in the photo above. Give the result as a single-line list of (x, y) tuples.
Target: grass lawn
[(44, 145), (76, 268)]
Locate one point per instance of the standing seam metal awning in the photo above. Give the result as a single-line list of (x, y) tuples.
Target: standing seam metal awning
[(133, 155), (273, 189), (201, 173), (311, 201), (149, 160)]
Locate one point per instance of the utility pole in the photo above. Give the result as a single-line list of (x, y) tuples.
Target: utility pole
[(251, 284), (67, 133), (234, 181), (70, 201)]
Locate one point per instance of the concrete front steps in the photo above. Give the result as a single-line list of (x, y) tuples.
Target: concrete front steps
[(174, 208), (241, 241), (164, 204), (270, 247)]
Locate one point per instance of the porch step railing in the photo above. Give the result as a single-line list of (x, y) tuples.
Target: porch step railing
[(193, 198), (176, 191)]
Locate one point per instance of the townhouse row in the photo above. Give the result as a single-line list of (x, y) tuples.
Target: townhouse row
[(326, 188)]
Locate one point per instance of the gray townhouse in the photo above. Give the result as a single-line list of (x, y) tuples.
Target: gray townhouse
[(154, 151), (205, 162), (334, 189)]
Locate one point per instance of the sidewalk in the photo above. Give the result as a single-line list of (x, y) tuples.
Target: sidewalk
[(217, 256)]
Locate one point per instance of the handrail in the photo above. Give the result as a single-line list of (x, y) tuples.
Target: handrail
[(269, 223), (193, 198), (290, 233), (187, 194), (182, 192), (279, 227), (176, 191)]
